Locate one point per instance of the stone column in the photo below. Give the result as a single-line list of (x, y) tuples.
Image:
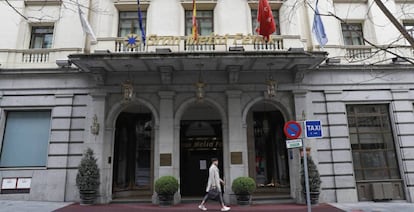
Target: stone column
[(336, 166), (57, 179), (403, 119), (301, 113), (168, 156), (236, 154), (97, 144)]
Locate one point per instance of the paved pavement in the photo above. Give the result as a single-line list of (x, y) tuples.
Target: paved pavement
[(30, 206), (192, 207), (35, 206), (397, 206)]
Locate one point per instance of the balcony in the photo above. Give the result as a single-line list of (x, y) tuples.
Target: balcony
[(34, 58), (355, 54), (212, 43)]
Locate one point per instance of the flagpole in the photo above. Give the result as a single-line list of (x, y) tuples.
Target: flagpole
[(87, 44), (306, 20), (141, 27), (88, 39)]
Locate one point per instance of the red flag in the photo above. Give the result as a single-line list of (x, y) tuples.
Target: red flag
[(265, 18)]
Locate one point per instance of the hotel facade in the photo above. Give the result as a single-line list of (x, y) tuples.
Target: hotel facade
[(167, 107)]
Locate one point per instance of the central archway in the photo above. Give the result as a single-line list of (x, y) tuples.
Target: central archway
[(201, 138)]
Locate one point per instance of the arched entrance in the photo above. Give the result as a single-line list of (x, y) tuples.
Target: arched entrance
[(201, 139), (267, 154), (133, 153)]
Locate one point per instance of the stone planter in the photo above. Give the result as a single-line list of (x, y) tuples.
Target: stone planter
[(314, 197), (165, 200), (87, 197), (243, 199)]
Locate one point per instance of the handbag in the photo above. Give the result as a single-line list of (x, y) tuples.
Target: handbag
[(213, 193)]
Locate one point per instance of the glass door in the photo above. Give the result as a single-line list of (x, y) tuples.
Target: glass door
[(133, 153)]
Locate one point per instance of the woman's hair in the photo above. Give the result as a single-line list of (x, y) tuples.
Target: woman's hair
[(214, 159)]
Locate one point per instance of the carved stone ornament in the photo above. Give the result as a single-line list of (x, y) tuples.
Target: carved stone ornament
[(95, 125)]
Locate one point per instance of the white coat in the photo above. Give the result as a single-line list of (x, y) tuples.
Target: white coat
[(213, 178)]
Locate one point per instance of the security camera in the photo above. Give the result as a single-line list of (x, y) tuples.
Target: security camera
[(63, 63)]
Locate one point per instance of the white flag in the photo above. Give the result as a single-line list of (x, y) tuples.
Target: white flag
[(85, 25)]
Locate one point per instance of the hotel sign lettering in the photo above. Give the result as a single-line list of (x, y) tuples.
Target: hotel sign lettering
[(133, 40), (202, 144)]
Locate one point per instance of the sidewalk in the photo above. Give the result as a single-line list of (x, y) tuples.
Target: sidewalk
[(30, 206), (376, 206), (191, 207), (35, 206)]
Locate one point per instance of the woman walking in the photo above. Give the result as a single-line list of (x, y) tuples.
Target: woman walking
[(214, 186)]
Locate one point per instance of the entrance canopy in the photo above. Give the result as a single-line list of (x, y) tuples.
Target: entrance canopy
[(291, 60)]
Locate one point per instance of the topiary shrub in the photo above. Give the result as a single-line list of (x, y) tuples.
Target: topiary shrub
[(243, 185), (166, 185), (87, 179), (314, 181), (314, 177)]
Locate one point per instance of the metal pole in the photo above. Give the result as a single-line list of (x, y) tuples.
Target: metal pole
[(305, 169)]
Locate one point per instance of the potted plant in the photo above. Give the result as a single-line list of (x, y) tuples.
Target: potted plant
[(87, 179), (243, 187), (166, 186), (314, 181)]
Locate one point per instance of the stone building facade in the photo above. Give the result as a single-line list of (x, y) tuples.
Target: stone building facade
[(60, 93)]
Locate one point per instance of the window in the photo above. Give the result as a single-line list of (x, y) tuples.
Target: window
[(129, 24), (255, 24), (352, 33), (41, 37), (26, 139), (204, 22), (372, 143), (410, 28)]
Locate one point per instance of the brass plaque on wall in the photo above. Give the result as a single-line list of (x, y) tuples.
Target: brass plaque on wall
[(165, 159), (236, 158)]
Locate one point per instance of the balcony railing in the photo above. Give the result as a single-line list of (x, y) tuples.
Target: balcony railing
[(213, 43), (358, 52), (34, 58), (368, 54)]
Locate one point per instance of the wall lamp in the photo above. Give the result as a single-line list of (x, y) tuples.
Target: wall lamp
[(331, 61), (62, 63)]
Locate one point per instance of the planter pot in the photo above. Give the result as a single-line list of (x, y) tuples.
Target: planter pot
[(165, 199), (243, 199), (314, 197), (87, 197)]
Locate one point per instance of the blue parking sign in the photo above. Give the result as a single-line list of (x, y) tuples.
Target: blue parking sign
[(313, 129)]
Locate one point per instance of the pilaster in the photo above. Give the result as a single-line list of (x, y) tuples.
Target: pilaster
[(237, 142)]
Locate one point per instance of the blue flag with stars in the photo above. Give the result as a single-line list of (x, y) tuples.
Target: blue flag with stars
[(141, 26), (318, 29)]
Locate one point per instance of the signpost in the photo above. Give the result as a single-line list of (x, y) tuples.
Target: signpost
[(293, 130), (305, 169)]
